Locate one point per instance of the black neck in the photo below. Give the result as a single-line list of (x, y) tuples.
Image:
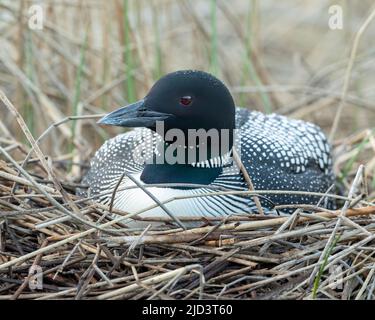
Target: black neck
[(179, 173)]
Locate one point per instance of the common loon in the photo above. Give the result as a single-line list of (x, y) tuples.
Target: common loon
[(277, 152)]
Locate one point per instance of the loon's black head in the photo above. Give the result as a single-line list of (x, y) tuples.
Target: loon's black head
[(187, 101), (183, 100)]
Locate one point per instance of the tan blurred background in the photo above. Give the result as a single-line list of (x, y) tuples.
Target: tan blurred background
[(93, 56)]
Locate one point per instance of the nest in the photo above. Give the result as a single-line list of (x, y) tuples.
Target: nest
[(55, 245)]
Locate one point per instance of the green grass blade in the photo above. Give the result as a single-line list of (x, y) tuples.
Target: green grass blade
[(349, 165), (157, 72), (77, 88), (213, 48), (322, 267), (128, 58), (30, 72)]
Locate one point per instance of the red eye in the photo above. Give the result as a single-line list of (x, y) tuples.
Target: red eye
[(186, 100)]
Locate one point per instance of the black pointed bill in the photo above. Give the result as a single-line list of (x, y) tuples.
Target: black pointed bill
[(134, 115)]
